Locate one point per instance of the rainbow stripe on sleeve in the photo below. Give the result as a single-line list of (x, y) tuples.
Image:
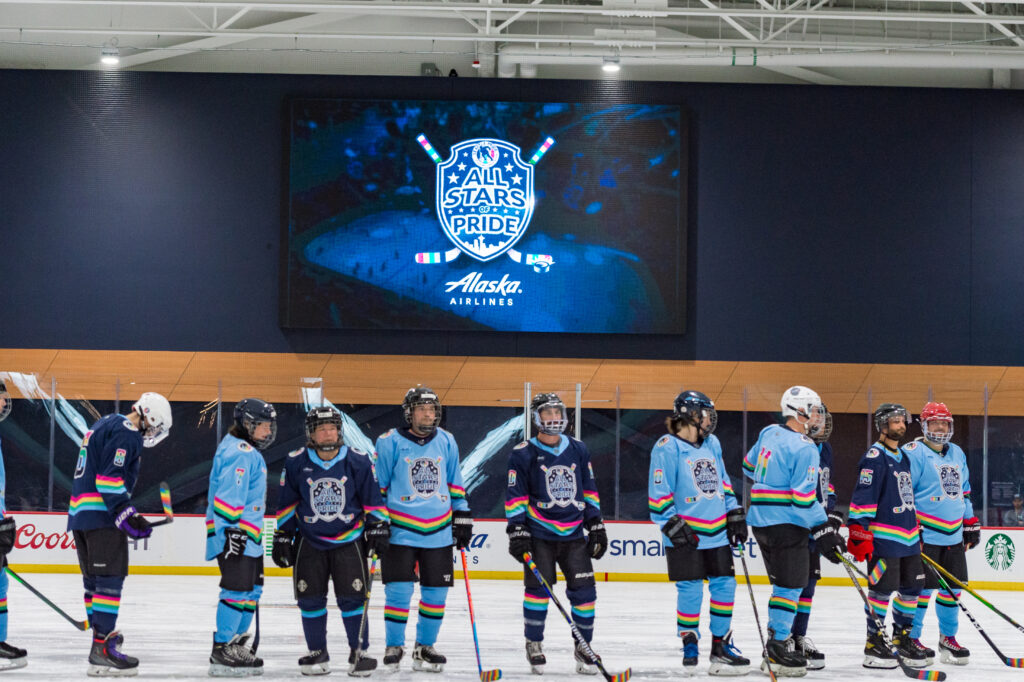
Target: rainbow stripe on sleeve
[(252, 530), (592, 497), (516, 506), (112, 485), (660, 504), (285, 514), (226, 511), (456, 491), (866, 511)]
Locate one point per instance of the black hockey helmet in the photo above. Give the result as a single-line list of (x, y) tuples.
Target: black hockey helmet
[(691, 407), (545, 401), (888, 411), (323, 415), (249, 412), (5, 409), (421, 395)]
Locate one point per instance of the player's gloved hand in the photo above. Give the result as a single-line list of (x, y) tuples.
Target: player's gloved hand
[(462, 528), (234, 542), (972, 532), (132, 524), (862, 542), (679, 533), (519, 540), (830, 542), (597, 538), (7, 527), (736, 527), (836, 519), (377, 537), (283, 550)]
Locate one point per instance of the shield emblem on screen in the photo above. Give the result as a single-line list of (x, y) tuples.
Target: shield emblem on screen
[(484, 197)]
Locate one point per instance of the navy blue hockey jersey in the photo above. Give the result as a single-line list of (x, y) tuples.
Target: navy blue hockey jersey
[(883, 502), (105, 474)]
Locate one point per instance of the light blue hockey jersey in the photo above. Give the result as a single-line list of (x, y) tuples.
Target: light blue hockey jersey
[(690, 482), (237, 496), (942, 491), (783, 465), (3, 486), (421, 484)]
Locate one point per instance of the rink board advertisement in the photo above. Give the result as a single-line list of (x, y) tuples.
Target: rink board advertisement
[(503, 216), (634, 553)]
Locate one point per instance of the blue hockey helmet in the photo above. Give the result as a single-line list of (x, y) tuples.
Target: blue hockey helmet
[(693, 407), (250, 412)]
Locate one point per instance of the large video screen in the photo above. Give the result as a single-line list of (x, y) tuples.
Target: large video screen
[(501, 216)]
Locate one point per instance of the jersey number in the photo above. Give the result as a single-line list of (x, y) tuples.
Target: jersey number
[(80, 465)]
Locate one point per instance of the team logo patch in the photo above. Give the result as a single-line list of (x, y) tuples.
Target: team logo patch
[(511, 478), (949, 477), (284, 473), (560, 482), (327, 500), (812, 472), (705, 476), (872, 453), (119, 456), (906, 489), (662, 441), (866, 476), (659, 476), (239, 475), (425, 476), (244, 447)]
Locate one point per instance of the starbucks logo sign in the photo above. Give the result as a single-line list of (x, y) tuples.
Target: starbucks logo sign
[(1000, 552)]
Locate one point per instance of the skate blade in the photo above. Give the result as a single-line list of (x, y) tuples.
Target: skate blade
[(726, 670), (108, 671), (815, 665), (12, 663), (951, 659), (392, 667), (915, 664), (425, 667), (879, 663), (537, 669), (315, 669), (220, 670), (784, 671), (689, 670), (360, 673), (585, 668)]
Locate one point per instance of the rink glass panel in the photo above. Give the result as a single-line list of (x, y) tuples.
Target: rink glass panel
[(25, 441)]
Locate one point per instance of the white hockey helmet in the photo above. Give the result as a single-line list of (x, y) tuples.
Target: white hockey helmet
[(803, 403), (154, 418)]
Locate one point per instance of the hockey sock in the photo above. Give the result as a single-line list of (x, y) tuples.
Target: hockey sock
[(689, 595), (250, 609), (535, 612), (230, 610), (352, 618), (803, 608), (397, 597), (428, 624), (314, 622), (90, 589), (922, 608), (583, 599), (105, 603), (880, 605), (948, 613), (782, 610), (722, 589), (904, 606), (3, 605)]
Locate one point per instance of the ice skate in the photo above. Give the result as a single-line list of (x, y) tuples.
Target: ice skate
[(815, 659), (12, 657), (535, 656), (426, 658), (316, 662), (393, 657), (690, 652), (359, 664), (950, 651), (906, 648), (232, 659), (584, 664), (105, 660), (726, 660), (783, 658), (877, 654)]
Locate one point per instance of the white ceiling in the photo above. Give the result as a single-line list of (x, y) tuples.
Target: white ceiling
[(943, 43)]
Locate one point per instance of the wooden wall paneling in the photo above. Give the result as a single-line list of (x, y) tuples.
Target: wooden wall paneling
[(960, 387), (388, 376), (503, 378), (26, 361), (837, 384), (1007, 397), (92, 374), (654, 384), (275, 375)]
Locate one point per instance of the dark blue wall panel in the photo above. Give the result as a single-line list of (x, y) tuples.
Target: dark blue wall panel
[(143, 211)]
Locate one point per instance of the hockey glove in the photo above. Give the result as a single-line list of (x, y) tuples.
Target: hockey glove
[(377, 537), (132, 524), (462, 528), (972, 532), (7, 527), (234, 542), (597, 538), (830, 542), (862, 542), (679, 533), (836, 519), (736, 527), (283, 551), (519, 540)]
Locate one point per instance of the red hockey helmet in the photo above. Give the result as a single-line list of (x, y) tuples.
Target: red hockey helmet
[(936, 412)]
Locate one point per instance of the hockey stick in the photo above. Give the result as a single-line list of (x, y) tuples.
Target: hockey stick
[(757, 619), (953, 579), (366, 607), (577, 635), (490, 675), (256, 636), (914, 673), (165, 500), (1011, 662), (82, 625)]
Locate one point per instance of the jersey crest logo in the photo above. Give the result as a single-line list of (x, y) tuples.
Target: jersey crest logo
[(906, 490), (239, 474), (705, 476), (560, 483), (511, 478), (949, 477), (484, 197), (659, 476), (327, 499), (119, 456), (424, 476), (824, 475)]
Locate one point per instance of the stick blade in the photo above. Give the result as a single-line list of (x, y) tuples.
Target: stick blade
[(1014, 662), (931, 675), (490, 675), (622, 677), (165, 499)]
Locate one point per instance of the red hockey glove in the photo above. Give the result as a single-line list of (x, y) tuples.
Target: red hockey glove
[(972, 532), (861, 543)]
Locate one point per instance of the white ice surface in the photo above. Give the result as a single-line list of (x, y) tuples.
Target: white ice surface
[(168, 622)]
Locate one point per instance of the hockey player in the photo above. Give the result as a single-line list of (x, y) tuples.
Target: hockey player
[(551, 497), (102, 517), (10, 656), (884, 532), (330, 519), (826, 495), (942, 493), (419, 476), (234, 533), (783, 465), (691, 499)]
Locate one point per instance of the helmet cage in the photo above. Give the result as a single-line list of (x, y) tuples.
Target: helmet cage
[(323, 415), (5, 411), (250, 413), (825, 432), (893, 411), (549, 401), (693, 407), (421, 396)]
